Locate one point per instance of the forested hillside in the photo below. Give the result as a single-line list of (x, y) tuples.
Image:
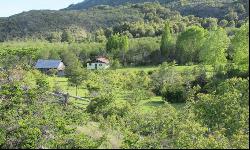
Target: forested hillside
[(170, 3), (43, 24)]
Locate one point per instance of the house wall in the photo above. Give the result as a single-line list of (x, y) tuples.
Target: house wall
[(61, 66), (97, 66)]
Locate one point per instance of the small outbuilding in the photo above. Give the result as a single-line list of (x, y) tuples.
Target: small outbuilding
[(98, 63), (48, 65)]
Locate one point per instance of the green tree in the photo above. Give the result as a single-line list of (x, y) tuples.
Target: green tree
[(240, 44), (100, 35), (167, 49), (210, 23), (55, 37), (113, 43), (231, 24), (215, 46), (124, 44), (189, 44), (227, 107), (115, 64), (118, 44), (67, 36), (76, 76)]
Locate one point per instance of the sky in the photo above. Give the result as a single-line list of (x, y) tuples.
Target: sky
[(11, 7)]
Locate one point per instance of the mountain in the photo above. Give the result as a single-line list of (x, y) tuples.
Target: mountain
[(200, 8), (90, 15), (92, 3)]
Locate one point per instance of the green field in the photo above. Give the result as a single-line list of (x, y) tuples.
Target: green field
[(145, 105)]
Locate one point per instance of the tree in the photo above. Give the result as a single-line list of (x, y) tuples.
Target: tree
[(76, 76), (38, 114), (67, 36), (113, 43), (124, 43), (69, 58), (215, 46), (115, 64), (167, 49), (226, 107), (55, 37), (232, 16), (118, 44), (231, 24), (210, 23), (189, 44), (53, 54), (100, 36), (240, 44), (223, 23)]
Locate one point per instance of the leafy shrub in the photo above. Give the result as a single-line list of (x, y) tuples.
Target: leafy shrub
[(227, 107), (173, 93), (77, 141), (116, 64)]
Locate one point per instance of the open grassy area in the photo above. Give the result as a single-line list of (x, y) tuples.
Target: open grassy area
[(62, 83), (151, 104), (146, 68), (145, 105), (155, 102)]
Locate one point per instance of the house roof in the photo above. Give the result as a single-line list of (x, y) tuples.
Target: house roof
[(103, 60), (47, 64), (99, 60)]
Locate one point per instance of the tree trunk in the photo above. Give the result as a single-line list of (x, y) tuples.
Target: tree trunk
[(76, 90), (123, 58)]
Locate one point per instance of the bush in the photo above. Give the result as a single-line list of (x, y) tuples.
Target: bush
[(173, 93), (52, 72), (115, 64), (106, 106), (234, 71), (77, 141)]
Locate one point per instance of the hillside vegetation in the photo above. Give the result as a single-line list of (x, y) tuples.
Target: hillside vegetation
[(109, 14)]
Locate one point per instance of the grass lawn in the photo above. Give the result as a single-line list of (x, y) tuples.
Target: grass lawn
[(146, 105), (155, 102), (62, 82), (151, 104), (146, 68)]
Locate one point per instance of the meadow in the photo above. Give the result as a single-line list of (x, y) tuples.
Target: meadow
[(146, 105)]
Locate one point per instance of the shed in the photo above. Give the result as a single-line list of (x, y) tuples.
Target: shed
[(47, 65)]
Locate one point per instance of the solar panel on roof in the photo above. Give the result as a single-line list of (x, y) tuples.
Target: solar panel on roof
[(46, 64)]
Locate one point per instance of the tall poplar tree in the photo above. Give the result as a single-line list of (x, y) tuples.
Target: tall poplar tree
[(167, 49)]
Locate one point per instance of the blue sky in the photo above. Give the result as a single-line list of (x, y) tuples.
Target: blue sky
[(11, 7)]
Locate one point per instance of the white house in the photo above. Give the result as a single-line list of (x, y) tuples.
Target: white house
[(98, 63)]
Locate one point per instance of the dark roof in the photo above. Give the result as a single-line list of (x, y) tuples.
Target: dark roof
[(47, 64)]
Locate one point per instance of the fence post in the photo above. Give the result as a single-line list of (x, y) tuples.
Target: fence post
[(66, 98)]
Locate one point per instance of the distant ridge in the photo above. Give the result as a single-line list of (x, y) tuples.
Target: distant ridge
[(92, 3)]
